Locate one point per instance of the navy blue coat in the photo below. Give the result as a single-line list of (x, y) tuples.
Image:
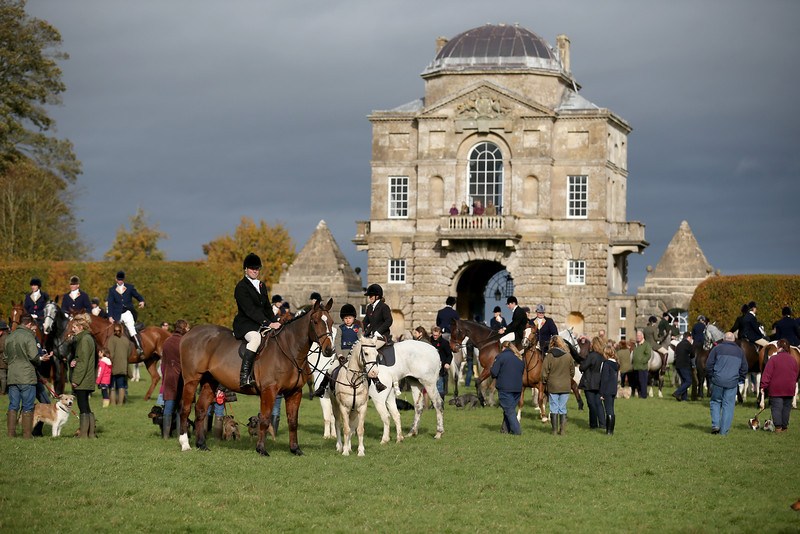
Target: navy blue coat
[(378, 319), (683, 355), (82, 304), (36, 308), (788, 329), (518, 324), (496, 324), (547, 331), (750, 330), (608, 378), (699, 333), (445, 317), (445, 354), (508, 369), (590, 367), (117, 303), (253, 308)]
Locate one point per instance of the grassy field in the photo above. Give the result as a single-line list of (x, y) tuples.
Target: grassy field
[(661, 472)]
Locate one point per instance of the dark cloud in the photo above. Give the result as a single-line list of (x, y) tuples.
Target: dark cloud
[(203, 112)]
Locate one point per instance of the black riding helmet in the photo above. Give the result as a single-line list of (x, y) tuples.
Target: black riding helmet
[(374, 290), (348, 310), (251, 261)]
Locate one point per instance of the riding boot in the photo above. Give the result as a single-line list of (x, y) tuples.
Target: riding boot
[(321, 389), (216, 430), (378, 385), (166, 425), (610, 420), (274, 421), (11, 423), (91, 426), (562, 424), (246, 373), (554, 423), (84, 425), (27, 425), (138, 340)]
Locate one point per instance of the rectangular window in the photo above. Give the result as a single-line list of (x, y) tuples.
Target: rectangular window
[(398, 197), (623, 332), (576, 273), (623, 313), (397, 271), (577, 197)]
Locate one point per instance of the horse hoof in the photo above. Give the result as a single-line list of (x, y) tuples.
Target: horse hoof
[(202, 447), (384, 441), (297, 451), (361, 453), (262, 451), (438, 435), (400, 439)]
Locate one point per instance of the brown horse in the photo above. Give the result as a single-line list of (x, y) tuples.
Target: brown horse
[(210, 357), (532, 376), (153, 338), (485, 340)]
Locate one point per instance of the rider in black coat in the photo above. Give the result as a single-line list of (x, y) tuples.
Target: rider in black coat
[(378, 317)]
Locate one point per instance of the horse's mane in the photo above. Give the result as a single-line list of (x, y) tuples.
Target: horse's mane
[(482, 326)]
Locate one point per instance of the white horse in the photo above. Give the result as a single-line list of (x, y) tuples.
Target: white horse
[(320, 364), (418, 362), (351, 395)]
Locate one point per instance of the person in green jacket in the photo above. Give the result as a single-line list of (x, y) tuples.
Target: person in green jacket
[(640, 358), (84, 369), (21, 355)]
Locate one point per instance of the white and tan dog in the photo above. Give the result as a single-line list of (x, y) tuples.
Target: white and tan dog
[(56, 414)]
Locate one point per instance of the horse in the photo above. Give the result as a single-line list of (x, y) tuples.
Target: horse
[(15, 319), (55, 330), (656, 368), (320, 364), (532, 375), (711, 335), (456, 368), (419, 363), (755, 360), (210, 357), (486, 342), (351, 394), (153, 338)]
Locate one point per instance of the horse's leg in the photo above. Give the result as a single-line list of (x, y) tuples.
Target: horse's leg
[(520, 404), (419, 403), (347, 426), (201, 412), (540, 401), (479, 382), (152, 367), (267, 403), (187, 401), (328, 431), (794, 399), (337, 424), (379, 400), (660, 385), (438, 405), (391, 405), (759, 396), (577, 394), (292, 411), (362, 415)]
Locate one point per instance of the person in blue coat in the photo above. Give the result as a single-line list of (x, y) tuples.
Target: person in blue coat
[(726, 367), (609, 375), (547, 328), (76, 301), (507, 369), (446, 315), (787, 327), (35, 301), (121, 308)]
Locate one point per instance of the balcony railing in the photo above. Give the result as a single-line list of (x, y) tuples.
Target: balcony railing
[(474, 222), (467, 227)]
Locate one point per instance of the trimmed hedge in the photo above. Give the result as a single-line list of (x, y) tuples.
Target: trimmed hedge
[(720, 298), (196, 291)]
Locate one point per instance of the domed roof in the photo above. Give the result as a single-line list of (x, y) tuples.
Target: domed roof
[(495, 46)]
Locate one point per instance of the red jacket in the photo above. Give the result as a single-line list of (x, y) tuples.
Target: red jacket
[(780, 375), (104, 372)]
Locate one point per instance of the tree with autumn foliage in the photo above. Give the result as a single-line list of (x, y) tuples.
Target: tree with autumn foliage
[(138, 243), (272, 243)]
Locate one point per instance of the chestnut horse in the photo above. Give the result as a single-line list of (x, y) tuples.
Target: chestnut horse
[(532, 375), (486, 341), (153, 338), (210, 357)]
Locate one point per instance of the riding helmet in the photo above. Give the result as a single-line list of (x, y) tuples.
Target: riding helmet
[(315, 296), (497, 310), (120, 275), (36, 282), (751, 305), (374, 290), (702, 318), (74, 280), (251, 261), (347, 310), (786, 311), (277, 299)]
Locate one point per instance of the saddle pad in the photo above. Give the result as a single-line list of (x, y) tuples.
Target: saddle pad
[(386, 355)]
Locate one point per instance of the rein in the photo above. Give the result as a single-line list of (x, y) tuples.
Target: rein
[(294, 360)]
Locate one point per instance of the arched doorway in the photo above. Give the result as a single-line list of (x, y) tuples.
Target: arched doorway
[(471, 288)]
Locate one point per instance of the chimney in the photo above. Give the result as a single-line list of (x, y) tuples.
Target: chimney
[(563, 51), (440, 42)]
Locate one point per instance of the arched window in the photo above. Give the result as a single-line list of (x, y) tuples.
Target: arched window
[(485, 176)]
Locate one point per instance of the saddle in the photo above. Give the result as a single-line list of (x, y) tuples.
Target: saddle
[(386, 355), (264, 337)]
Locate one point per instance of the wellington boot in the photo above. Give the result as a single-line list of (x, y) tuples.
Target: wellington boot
[(166, 425), (92, 434), (27, 425), (611, 421), (83, 430), (562, 424), (106, 403), (11, 423), (216, 430), (554, 423)]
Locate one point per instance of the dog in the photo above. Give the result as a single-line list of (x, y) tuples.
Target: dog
[(469, 400), (56, 414), (252, 426), (753, 423), (230, 428), (157, 416), (624, 392), (769, 426), (403, 405)]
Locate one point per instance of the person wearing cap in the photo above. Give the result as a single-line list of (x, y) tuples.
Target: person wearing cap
[(121, 309), (378, 317), (35, 302), (515, 331), (347, 336), (75, 301), (699, 333), (277, 303), (22, 356), (751, 331), (446, 316), (314, 298), (651, 335), (254, 311), (787, 328), (3, 365), (96, 310), (497, 321), (547, 328)]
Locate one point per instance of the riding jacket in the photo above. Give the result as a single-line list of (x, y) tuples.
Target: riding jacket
[(80, 304), (378, 319), (254, 308), (36, 307), (546, 331), (122, 302), (445, 317), (750, 330), (518, 323), (788, 329)]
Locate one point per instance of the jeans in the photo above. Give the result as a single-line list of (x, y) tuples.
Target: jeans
[(686, 381), (170, 406), (276, 408), (440, 385), (558, 402), (781, 408), (722, 402), (608, 406), (219, 409), (119, 381), (596, 418), (24, 394), (642, 375), (509, 402)]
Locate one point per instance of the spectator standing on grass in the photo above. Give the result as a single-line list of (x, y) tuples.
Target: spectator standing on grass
[(507, 369), (726, 367), (104, 375), (624, 360), (590, 383), (640, 359), (683, 366), (120, 349), (22, 355), (557, 373), (779, 381), (609, 373), (446, 358), (83, 374), (4, 330)]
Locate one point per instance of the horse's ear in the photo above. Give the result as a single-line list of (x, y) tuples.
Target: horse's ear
[(56, 301), (329, 305)]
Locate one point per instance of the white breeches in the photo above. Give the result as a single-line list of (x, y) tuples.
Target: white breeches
[(508, 337), (127, 319), (253, 339)]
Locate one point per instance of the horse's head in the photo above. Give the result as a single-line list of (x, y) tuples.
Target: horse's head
[(50, 312), (17, 311), (368, 355), (531, 338), (458, 337), (320, 327)]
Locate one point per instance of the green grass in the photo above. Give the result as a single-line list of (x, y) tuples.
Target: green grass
[(661, 472)]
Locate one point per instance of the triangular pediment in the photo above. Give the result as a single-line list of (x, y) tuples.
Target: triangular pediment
[(485, 101), (683, 258), (321, 260)]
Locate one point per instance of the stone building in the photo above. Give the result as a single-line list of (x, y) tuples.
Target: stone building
[(501, 123), (320, 266)]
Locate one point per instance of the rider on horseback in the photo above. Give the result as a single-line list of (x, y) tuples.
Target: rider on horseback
[(377, 321), (254, 312), (750, 328), (121, 310), (515, 331)]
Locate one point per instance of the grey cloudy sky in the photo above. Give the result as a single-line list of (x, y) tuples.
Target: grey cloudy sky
[(202, 111)]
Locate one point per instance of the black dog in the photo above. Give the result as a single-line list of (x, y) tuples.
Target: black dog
[(157, 416), (470, 400), (403, 404)]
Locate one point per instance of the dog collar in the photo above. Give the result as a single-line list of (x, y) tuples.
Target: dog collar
[(62, 408)]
